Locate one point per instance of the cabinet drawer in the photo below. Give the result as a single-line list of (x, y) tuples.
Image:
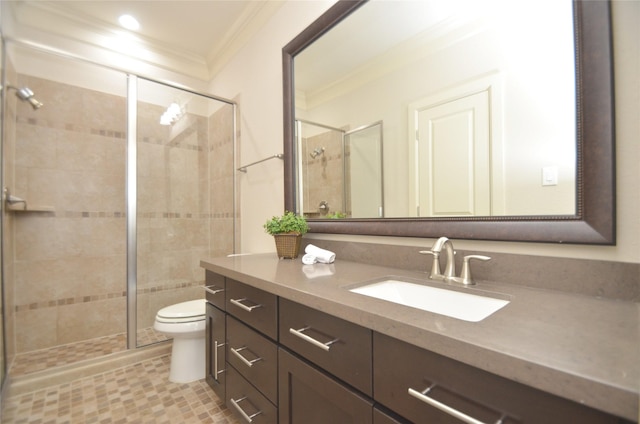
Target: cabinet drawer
[(252, 306), (246, 402), (380, 417), (401, 368), (214, 286), (338, 346), (309, 396), (254, 356)]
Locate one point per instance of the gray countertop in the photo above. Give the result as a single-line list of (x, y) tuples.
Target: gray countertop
[(578, 347)]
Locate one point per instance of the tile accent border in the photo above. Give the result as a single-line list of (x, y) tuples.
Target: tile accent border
[(105, 296)]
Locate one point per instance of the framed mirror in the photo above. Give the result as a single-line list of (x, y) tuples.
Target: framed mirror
[(591, 221)]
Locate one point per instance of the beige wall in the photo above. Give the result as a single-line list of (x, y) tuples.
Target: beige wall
[(254, 75)]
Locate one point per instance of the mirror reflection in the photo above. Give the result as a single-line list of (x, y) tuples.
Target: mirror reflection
[(476, 103), (340, 171)]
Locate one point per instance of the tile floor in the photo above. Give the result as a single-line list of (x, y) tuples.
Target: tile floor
[(39, 360), (138, 393)]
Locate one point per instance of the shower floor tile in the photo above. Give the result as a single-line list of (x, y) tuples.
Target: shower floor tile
[(39, 360), (139, 393)]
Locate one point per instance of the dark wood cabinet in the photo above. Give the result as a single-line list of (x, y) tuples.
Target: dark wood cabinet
[(215, 336), (426, 387), (309, 396), (254, 307), (384, 417), (247, 402), (254, 356), (214, 289), (335, 345)]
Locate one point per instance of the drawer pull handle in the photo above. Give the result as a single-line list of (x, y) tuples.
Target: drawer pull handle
[(216, 371), (247, 362), (300, 333), (238, 303), (422, 396), (247, 417), (213, 289)]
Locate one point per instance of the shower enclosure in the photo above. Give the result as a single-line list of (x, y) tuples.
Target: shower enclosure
[(340, 171), (127, 184)]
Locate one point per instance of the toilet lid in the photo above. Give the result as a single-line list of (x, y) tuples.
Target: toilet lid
[(190, 309)]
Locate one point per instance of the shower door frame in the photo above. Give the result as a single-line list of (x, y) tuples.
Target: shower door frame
[(132, 199)]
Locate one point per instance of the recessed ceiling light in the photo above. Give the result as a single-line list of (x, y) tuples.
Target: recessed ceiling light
[(129, 22)]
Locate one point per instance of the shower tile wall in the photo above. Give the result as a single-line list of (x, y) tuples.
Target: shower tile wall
[(69, 264), (69, 276), (221, 182)]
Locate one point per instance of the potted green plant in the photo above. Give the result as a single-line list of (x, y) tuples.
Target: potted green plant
[(287, 231), (336, 215)]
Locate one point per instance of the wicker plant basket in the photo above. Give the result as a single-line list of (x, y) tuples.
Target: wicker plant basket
[(287, 245)]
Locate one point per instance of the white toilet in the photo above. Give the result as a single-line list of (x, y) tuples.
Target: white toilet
[(185, 322)]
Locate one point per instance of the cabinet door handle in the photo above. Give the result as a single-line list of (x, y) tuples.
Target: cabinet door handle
[(238, 303), (213, 289), (300, 333), (247, 362), (247, 417), (422, 396), (216, 371)]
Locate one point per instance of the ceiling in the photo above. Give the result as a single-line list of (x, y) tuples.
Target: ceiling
[(194, 37)]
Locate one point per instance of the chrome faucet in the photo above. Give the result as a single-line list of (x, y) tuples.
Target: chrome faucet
[(449, 275), (450, 267)]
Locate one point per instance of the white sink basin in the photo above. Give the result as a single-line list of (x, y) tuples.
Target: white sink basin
[(452, 303)]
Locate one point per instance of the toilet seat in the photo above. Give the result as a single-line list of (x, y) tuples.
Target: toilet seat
[(190, 311)]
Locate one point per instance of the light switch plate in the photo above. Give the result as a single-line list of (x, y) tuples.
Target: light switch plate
[(550, 175)]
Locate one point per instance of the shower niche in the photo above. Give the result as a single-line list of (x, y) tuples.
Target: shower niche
[(340, 171)]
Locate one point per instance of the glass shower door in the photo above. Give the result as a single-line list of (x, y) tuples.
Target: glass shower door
[(185, 201)]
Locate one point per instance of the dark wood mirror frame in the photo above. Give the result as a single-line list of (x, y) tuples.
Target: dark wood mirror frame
[(594, 221)]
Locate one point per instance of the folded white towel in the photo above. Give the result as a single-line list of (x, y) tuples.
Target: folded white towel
[(322, 255), (309, 259)]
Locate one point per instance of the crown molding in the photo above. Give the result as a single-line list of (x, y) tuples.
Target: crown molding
[(32, 21)]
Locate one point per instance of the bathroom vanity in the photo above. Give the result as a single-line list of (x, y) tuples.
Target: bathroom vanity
[(288, 344)]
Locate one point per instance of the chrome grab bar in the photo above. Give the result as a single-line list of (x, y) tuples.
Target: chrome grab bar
[(246, 361), (238, 303), (276, 156), (299, 333), (247, 417), (422, 396)]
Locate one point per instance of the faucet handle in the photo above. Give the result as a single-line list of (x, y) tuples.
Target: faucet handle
[(435, 274), (465, 274)]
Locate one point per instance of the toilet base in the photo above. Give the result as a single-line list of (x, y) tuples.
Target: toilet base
[(187, 360)]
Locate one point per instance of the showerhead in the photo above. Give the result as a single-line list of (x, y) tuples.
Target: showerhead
[(25, 94), (317, 152)]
